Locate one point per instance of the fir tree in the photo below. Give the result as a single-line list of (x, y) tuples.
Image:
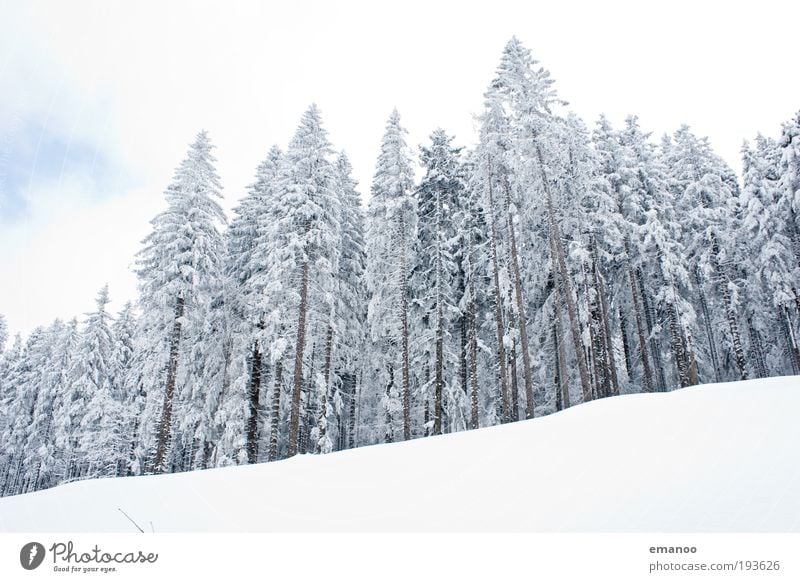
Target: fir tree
[(179, 270), (390, 236)]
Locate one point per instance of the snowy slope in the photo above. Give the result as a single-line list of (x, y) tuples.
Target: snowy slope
[(720, 457)]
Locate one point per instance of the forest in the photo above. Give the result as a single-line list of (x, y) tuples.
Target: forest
[(552, 264)]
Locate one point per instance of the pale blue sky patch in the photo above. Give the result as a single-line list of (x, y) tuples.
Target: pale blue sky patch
[(34, 160)]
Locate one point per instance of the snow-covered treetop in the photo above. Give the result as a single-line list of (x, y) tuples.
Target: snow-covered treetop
[(521, 86), (182, 254), (394, 174)]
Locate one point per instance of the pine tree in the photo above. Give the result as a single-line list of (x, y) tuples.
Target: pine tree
[(101, 446), (390, 236), (310, 223), (435, 280), (707, 196), (487, 167), (788, 205), (351, 299), (179, 271), (10, 365), (124, 333), (248, 244), (24, 405)]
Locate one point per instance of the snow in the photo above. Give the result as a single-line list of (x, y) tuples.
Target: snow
[(712, 458)]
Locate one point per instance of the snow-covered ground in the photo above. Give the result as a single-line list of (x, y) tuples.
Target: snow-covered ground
[(719, 457)]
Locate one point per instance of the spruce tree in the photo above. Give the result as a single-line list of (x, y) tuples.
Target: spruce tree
[(180, 269), (390, 238)]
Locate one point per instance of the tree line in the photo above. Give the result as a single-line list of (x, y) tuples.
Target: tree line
[(549, 265)]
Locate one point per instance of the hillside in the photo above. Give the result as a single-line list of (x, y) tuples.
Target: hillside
[(718, 457)]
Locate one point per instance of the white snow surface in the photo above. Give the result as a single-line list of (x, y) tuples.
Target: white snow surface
[(712, 458)]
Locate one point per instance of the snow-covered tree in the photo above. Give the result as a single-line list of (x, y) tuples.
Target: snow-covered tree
[(180, 271), (310, 229), (435, 282), (390, 238)]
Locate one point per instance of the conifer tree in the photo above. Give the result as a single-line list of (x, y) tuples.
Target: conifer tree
[(435, 281), (390, 236), (310, 223), (179, 270)]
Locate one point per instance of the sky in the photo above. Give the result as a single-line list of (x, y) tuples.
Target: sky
[(99, 101)]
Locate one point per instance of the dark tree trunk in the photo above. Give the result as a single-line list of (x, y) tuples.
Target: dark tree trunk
[(505, 410), (640, 329), (463, 360), (757, 351), (255, 395), (626, 349), (438, 380), (165, 424), (791, 340), (389, 437), (522, 322), (606, 320), (512, 366), (351, 429), (405, 335), (297, 386), (730, 311), (561, 349), (560, 262), (712, 343), (557, 373), (275, 416), (473, 363), (650, 319), (322, 422)]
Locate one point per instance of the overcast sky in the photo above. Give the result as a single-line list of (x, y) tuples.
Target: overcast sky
[(98, 101)]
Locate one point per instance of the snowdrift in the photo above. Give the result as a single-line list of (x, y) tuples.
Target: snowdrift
[(712, 458)]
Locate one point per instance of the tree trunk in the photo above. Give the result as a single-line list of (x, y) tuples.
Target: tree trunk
[(557, 373), (165, 425), (712, 344), (572, 308), (512, 366), (676, 341), (522, 321), (473, 363), (351, 427), (640, 331), (438, 379), (405, 333), (792, 345), (255, 394), (297, 386), (730, 312), (505, 412), (594, 356), (561, 262), (649, 320), (561, 351), (463, 359), (389, 437), (322, 421), (626, 350), (275, 417), (606, 320), (757, 351)]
